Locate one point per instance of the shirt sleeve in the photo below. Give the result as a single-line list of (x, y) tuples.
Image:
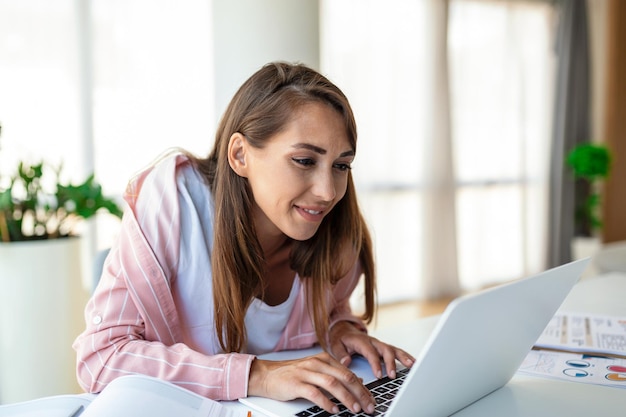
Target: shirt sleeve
[(132, 323)]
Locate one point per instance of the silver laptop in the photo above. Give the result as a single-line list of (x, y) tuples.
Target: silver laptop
[(476, 347)]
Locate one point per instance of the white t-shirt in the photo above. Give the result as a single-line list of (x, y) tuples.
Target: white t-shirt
[(193, 286), (265, 323)]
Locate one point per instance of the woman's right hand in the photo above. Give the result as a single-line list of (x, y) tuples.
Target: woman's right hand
[(308, 378)]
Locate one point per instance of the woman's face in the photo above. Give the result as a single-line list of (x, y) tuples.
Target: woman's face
[(300, 174)]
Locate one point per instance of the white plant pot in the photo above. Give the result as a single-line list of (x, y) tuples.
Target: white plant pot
[(41, 312), (586, 247)]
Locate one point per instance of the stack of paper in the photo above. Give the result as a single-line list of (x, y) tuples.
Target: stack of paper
[(581, 348)]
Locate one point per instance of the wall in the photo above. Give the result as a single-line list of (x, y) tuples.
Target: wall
[(614, 209), (598, 15), (250, 33)]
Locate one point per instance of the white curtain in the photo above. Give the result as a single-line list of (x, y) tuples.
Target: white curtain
[(502, 81), (440, 265), (39, 95), (390, 59), (104, 85), (453, 102), (152, 86)]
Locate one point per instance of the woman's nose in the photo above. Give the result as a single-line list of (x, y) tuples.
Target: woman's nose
[(324, 186)]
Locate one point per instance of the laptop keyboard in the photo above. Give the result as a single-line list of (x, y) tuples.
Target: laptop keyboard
[(384, 391)]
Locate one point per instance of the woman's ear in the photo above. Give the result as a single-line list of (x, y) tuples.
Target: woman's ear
[(237, 154)]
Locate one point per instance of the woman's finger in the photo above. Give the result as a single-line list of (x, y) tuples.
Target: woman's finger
[(339, 352), (309, 378), (388, 355), (405, 358), (345, 386)]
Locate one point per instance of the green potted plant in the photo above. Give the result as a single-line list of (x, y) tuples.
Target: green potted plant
[(590, 164), (41, 276), (29, 211)]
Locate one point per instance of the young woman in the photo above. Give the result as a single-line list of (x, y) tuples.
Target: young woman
[(254, 249)]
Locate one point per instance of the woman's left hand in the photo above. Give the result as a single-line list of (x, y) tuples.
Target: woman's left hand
[(346, 339)]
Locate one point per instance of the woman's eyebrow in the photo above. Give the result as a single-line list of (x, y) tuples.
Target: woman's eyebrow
[(319, 150)]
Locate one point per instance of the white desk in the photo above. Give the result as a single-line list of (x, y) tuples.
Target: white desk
[(533, 396)]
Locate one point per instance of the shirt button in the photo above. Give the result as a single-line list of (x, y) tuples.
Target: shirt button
[(96, 320)]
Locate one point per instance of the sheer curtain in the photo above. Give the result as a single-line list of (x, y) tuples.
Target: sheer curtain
[(381, 54), (453, 103), (39, 95), (104, 85), (152, 86), (502, 60)]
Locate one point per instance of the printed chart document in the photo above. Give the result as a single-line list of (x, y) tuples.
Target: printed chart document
[(132, 395), (575, 367), (580, 347), (585, 333)]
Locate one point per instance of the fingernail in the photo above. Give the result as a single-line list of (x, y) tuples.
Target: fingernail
[(379, 374), (335, 410), (344, 360), (370, 409), (392, 374), (356, 408)]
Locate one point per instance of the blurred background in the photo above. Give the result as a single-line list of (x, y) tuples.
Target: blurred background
[(456, 103), (466, 110)]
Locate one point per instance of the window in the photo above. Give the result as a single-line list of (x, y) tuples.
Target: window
[(501, 74), (39, 95), (384, 56), (480, 99), (152, 87), (104, 85)]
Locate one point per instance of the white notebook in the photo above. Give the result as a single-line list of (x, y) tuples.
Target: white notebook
[(127, 396)]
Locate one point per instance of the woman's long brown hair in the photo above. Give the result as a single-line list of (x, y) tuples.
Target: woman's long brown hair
[(263, 106)]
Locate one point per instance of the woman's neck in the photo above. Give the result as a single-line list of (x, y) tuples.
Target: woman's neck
[(275, 249), (279, 276)]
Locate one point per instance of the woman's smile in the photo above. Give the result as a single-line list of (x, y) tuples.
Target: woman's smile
[(311, 214)]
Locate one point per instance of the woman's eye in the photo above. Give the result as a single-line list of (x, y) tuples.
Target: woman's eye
[(304, 161), (343, 167)]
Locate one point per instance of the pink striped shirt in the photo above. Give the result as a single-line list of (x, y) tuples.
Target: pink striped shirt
[(132, 323)]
